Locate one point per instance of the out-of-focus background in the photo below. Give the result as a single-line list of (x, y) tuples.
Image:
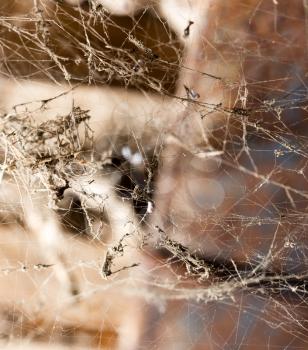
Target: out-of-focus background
[(154, 179)]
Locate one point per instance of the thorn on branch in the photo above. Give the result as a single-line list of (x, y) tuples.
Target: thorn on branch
[(191, 94), (187, 29)]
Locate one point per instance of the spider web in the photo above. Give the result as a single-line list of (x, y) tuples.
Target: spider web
[(154, 174)]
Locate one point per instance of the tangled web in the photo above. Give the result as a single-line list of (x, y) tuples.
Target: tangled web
[(154, 174)]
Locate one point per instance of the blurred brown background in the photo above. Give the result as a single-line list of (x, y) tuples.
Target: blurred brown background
[(217, 91)]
